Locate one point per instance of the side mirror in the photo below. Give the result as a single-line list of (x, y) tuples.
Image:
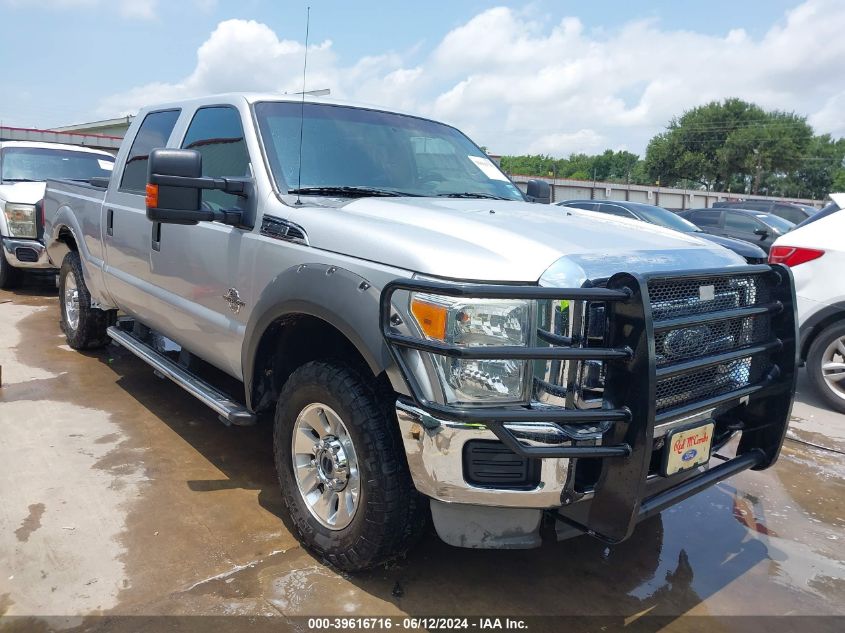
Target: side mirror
[(177, 202), (174, 189), (763, 233), (539, 192)]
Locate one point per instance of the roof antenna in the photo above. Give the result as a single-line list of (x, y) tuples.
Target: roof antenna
[(302, 105)]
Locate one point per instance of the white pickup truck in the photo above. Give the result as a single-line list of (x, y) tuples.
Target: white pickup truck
[(24, 166), (421, 335)]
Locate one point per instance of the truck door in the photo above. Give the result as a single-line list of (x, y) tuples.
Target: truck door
[(197, 270), (125, 227)]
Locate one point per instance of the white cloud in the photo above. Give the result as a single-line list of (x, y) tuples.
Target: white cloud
[(132, 9), (140, 9), (518, 85)]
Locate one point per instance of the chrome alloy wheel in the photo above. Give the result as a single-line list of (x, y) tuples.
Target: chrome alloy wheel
[(71, 299), (833, 366), (325, 466)]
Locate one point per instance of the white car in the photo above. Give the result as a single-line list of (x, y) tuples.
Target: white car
[(24, 166), (815, 251)]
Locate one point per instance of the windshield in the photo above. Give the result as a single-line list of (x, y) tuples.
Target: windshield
[(345, 149), (664, 217), (774, 221), (22, 164)]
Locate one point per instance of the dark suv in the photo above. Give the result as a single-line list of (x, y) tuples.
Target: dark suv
[(743, 224), (791, 211)]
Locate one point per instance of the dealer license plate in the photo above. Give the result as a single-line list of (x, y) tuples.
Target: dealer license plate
[(688, 448)]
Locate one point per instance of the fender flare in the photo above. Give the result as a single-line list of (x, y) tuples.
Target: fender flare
[(341, 298), (56, 249), (810, 328)]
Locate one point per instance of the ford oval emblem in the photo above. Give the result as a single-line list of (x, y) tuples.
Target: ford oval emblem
[(689, 455), (691, 341)]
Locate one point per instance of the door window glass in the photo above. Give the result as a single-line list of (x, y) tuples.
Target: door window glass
[(706, 218), (741, 223), (218, 135)]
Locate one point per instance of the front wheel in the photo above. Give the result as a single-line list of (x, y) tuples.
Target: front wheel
[(342, 468), (84, 326), (826, 365), (10, 277)]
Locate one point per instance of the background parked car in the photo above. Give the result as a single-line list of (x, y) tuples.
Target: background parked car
[(667, 219), (831, 207), (792, 211), (24, 166), (761, 229), (816, 253)]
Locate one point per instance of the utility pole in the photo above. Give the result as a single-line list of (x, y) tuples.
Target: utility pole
[(757, 171)]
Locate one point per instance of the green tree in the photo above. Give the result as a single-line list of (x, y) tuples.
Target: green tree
[(816, 171), (723, 145)]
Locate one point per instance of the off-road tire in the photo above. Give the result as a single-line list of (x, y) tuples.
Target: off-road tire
[(10, 277), (391, 514), (814, 364), (90, 333)]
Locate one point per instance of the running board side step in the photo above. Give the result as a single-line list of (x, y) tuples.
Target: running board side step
[(231, 412)]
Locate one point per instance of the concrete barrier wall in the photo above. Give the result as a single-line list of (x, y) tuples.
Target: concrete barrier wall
[(95, 141), (676, 199)]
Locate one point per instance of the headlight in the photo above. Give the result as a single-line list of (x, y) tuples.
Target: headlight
[(21, 220), (476, 323)]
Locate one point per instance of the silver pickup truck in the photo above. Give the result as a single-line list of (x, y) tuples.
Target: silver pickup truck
[(423, 336)]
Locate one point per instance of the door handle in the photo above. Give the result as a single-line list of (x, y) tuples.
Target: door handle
[(110, 222)]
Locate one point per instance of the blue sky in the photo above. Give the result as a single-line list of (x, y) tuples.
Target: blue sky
[(540, 76)]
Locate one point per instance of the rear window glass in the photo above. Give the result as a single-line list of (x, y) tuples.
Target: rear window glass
[(153, 134)]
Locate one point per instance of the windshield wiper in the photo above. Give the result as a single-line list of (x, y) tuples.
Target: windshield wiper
[(472, 194), (19, 180), (351, 192)]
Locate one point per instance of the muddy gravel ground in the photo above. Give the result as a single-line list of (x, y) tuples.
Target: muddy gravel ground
[(124, 496)]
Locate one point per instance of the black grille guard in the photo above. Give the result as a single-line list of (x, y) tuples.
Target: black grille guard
[(631, 378)]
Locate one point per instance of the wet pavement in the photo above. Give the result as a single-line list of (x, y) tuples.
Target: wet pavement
[(121, 494)]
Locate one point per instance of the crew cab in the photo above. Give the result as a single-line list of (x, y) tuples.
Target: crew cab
[(425, 339), (24, 166)]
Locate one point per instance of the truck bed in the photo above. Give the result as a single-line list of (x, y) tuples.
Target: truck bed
[(77, 207)]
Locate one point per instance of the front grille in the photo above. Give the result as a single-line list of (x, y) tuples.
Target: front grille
[(26, 254), (673, 298), (712, 338), (702, 297), (709, 382)]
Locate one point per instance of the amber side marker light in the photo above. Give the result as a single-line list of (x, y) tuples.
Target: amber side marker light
[(793, 255), (431, 318), (152, 196)]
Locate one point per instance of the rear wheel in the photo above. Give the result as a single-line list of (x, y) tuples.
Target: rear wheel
[(83, 325), (10, 277), (826, 365), (342, 468)]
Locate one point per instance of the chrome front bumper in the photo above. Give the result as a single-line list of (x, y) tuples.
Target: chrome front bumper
[(25, 253), (435, 451)]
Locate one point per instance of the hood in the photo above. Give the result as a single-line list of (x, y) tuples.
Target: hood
[(22, 192), (494, 240), (740, 247)]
